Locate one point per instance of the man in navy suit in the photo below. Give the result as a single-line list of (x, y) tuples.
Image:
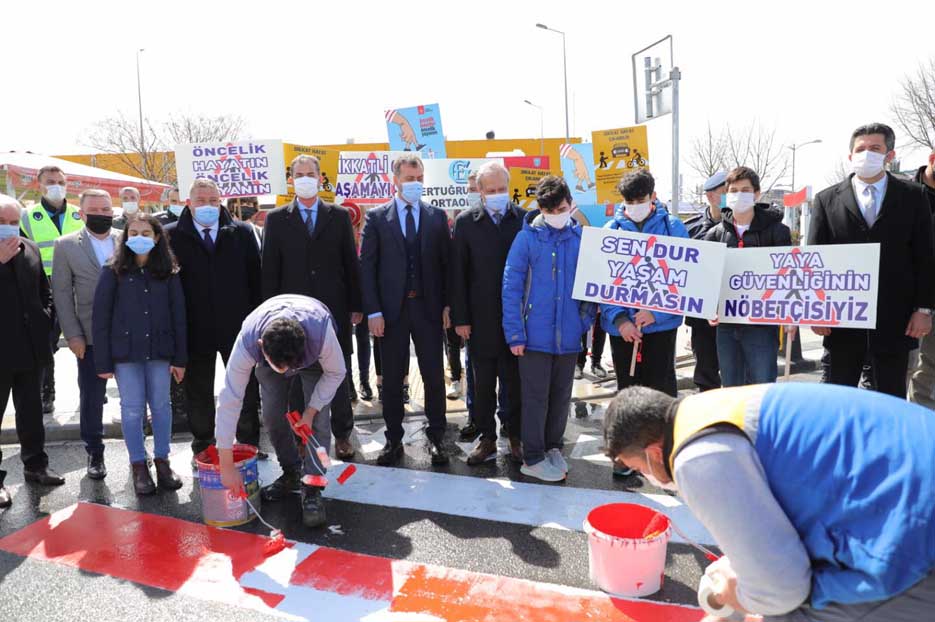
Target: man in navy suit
[(403, 263)]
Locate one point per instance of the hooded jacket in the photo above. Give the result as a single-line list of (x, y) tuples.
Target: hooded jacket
[(659, 222), (765, 230), (538, 310)]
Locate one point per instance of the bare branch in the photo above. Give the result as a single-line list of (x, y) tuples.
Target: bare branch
[(708, 153), (914, 108)]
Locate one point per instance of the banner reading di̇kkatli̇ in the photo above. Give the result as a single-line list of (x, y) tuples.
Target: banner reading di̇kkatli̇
[(245, 168), (832, 286), (654, 272)]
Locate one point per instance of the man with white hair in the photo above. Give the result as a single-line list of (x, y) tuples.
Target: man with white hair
[(77, 264), (25, 316), (130, 203), (483, 236)]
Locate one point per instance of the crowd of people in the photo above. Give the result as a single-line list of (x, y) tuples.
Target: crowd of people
[(152, 299)]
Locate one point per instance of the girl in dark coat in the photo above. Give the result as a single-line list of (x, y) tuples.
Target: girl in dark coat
[(139, 337)]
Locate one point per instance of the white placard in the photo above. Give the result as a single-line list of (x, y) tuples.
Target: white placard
[(245, 168)]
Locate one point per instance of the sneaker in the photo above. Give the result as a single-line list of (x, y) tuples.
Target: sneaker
[(558, 460), (313, 507), (288, 483), (468, 433), (598, 371), (542, 471), (579, 372), (454, 391)]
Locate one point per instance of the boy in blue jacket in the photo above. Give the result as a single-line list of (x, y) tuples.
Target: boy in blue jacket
[(653, 332), (543, 324)]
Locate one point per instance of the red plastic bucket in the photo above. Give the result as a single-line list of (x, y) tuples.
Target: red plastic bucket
[(620, 560)]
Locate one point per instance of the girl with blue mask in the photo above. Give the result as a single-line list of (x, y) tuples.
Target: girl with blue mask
[(140, 339)]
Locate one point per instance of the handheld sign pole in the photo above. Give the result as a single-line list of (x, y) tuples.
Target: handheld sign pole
[(788, 339), (636, 349)]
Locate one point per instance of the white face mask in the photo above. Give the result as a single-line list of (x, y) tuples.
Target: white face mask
[(55, 193), (130, 207), (868, 164), (306, 187), (473, 199), (638, 212), (740, 202), (557, 221), (652, 478)]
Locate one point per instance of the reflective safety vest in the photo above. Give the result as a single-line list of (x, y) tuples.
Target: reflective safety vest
[(854, 471), (38, 226)]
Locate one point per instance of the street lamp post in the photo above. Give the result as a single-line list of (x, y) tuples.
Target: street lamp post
[(794, 148), (565, 71), (139, 99), (541, 127)]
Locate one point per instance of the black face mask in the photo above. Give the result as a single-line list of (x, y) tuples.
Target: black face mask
[(96, 223)]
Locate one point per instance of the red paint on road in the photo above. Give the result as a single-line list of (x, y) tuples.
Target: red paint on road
[(346, 573)]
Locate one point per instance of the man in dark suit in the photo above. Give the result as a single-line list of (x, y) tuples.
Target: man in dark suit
[(220, 272), (309, 249), (26, 318), (874, 206), (482, 239), (404, 263)]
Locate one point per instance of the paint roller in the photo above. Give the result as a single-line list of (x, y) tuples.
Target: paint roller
[(277, 540), (304, 432), (707, 586)]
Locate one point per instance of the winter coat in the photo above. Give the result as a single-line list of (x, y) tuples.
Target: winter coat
[(538, 310)]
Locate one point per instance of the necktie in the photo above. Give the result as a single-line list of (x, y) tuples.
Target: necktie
[(410, 225), (497, 216), (870, 205), (209, 243), (310, 221)]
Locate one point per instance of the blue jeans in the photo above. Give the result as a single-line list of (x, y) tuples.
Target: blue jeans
[(747, 354), (140, 383), (92, 390)]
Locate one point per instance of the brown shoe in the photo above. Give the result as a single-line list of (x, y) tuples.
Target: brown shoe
[(343, 449), (516, 451), (142, 479), (165, 476), (486, 449)]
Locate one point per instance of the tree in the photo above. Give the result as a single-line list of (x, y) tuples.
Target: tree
[(708, 153), (756, 147), (150, 154), (840, 171), (914, 108)]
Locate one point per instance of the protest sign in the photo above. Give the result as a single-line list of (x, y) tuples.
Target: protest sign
[(615, 153), (523, 182), (577, 162), (418, 128), (329, 169), (813, 286), (446, 181), (365, 177), (240, 169), (654, 272)]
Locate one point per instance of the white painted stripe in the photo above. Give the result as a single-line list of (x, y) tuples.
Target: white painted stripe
[(494, 499)]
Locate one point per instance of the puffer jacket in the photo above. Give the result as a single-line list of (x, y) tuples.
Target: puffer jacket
[(538, 310), (660, 222), (765, 230)]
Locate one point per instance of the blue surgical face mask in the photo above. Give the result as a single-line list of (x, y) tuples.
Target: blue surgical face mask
[(412, 191), (176, 210), (496, 202), (207, 215), (140, 244), (9, 231)]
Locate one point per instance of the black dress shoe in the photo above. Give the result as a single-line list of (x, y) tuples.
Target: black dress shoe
[(5, 499), (96, 468), (288, 483), (366, 393), (405, 394), (390, 454), (468, 433), (313, 507), (438, 453), (44, 476)]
